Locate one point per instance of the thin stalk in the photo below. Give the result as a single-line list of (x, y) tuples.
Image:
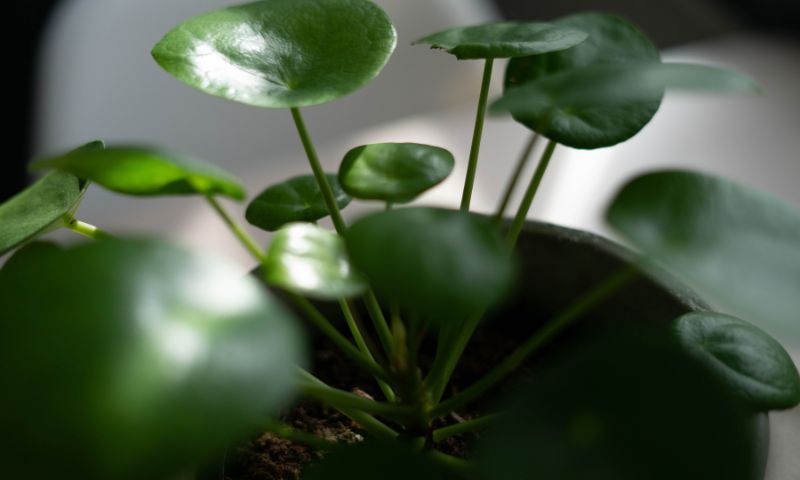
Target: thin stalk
[(287, 432), (341, 399), (457, 466), (86, 229), (583, 304), (469, 426), (379, 322), (370, 424), (337, 338), (527, 200), (515, 176), (448, 354), (362, 345), (475, 149), (319, 173), (237, 230)]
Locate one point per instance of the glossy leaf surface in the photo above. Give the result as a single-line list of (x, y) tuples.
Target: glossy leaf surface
[(280, 53), (607, 85), (440, 263), (627, 406), (147, 171), (394, 172), (754, 364), (611, 41), (737, 247), (298, 199), (312, 261), (372, 460), (145, 358), (504, 40)]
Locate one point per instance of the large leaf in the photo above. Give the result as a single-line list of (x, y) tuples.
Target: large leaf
[(735, 246), (394, 172), (612, 40), (128, 360), (627, 406), (607, 85), (146, 171), (43, 206), (280, 53), (440, 263), (298, 199), (372, 460), (504, 40), (750, 361), (310, 260)]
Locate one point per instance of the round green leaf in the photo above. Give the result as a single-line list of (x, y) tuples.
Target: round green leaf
[(611, 41), (623, 406), (38, 209), (754, 364), (735, 246), (296, 200), (394, 172), (440, 263), (280, 53), (42, 207), (604, 85), (130, 360), (312, 261), (375, 459), (504, 40), (147, 171)]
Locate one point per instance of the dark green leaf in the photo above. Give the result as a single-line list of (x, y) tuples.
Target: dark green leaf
[(374, 460), (607, 85), (394, 172), (129, 360), (504, 40), (310, 260), (146, 171), (296, 200), (624, 406), (611, 41), (38, 209), (440, 263), (750, 361), (735, 246), (280, 53)]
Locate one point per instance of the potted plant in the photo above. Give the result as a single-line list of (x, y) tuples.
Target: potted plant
[(133, 358)]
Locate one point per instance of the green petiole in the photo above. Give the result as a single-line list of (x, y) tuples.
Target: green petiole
[(472, 166)]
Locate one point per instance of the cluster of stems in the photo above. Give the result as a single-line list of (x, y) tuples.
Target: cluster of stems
[(413, 400)]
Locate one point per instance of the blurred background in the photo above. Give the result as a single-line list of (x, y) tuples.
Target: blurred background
[(85, 73)]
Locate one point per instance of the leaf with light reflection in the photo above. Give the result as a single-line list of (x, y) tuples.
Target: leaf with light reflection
[(158, 357), (298, 199), (504, 40), (147, 171), (310, 260), (280, 53), (394, 172)]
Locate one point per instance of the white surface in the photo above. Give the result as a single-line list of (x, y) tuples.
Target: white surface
[(98, 81)]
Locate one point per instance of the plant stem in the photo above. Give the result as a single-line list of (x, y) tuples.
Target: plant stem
[(362, 345), (463, 427), (457, 466), (584, 303), (319, 173), (533, 187), (515, 176), (283, 430), (337, 338), (474, 152), (379, 322), (86, 229), (237, 230), (371, 424), (341, 399), (450, 352)]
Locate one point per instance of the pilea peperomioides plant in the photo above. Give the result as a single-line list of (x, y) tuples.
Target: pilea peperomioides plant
[(131, 358)]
